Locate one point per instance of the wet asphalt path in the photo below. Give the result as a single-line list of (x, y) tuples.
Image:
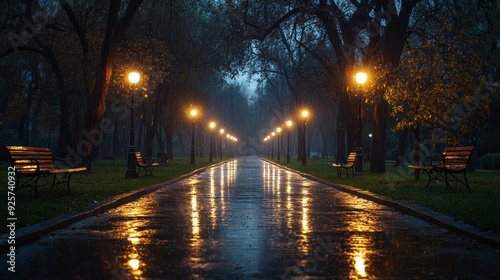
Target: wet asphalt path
[(248, 219)]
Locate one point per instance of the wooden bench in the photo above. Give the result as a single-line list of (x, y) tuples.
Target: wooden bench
[(143, 165), (351, 160), (454, 160), (35, 162)]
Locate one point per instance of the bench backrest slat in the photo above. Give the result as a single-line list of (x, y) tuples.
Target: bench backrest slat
[(27, 159), (351, 158), (139, 158), (457, 157)]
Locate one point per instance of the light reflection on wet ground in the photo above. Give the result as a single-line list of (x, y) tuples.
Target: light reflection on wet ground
[(248, 219)]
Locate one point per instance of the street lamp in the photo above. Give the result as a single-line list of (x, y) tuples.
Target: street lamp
[(272, 144), (278, 131), (305, 114), (289, 124), (133, 78), (193, 114), (212, 127), (361, 78), (221, 132)]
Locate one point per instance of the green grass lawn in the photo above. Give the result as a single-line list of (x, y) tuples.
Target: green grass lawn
[(481, 208), (106, 180)]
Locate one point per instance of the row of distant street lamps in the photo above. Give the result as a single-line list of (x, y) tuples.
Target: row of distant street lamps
[(211, 125), (134, 78), (288, 124), (361, 78)]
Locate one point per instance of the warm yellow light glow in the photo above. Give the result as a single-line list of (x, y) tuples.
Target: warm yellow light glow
[(212, 125), (278, 129), (273, 134), (361, 78), (221, 131), (134, 77), (195, 218), (228, 136), (134, 264), (133, 238), (305, 113), (289, 123), (193, 113), (359, 265)]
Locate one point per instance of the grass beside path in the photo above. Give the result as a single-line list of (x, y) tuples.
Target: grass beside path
[(106, 180), (481, 208)]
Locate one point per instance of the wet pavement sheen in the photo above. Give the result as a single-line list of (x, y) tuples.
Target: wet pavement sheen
[(248, 219)]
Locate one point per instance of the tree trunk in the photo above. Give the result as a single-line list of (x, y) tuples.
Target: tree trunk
[(379, 130), (169, 136), (115, 30), (64, 128), (395, 36)]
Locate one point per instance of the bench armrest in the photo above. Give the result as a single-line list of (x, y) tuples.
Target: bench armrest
[(433, 160)]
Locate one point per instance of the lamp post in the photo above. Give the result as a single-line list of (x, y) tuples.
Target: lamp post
[(266, 147), (193, 114), (289, 124), (278, 131), (370, 147), (229, 145), (361, 78), (212, 127), (221, 132), (272, 144), (305, 114), (133, 78), (235, 140)]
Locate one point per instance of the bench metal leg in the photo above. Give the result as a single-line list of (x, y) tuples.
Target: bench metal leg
[(64, 179), (429, 177), (446, 179), (464, 182), (33, 179)]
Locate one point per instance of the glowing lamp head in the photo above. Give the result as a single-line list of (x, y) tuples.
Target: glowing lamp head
[(193, 113), (212, 125), (221, 131), (361, 78), (305, 114), (278, 129), (134, 77), (289, 123), (273, 134)]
